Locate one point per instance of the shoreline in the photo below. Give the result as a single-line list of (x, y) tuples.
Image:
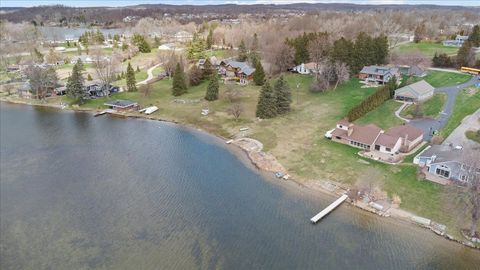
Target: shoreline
[(248, 157)]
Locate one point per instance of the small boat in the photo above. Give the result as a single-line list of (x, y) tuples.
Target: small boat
[(151, 110), (229, 141), (279, 174), (244, 129)]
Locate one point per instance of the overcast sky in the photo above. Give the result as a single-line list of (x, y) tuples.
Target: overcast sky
[(115, 3)]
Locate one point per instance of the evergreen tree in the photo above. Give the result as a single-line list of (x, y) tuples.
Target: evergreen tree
[(342, 51), (212, 89), (130, 77), (242, 52), (210, 39), (380, 47), (138, 69), (156, 41), (259, 74), (89, 77), (80, 65), (179, 85), (196, 48), (75, 89), (466, 55), (266, 106), (283, 96), (141, 43), (474, 37)]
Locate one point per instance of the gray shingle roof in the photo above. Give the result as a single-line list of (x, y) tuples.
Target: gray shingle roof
[(243, 66), (378, 70), (415, 90)]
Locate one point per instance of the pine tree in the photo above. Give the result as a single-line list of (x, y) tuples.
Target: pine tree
[(212, 89), (474, 37), (210, 39), (283, 96), (141, 43), (179, 85), (259, 74), (89, 77), (75, 89), (266, 106), (131, 82), (242, 52), (80, 65), (466, 55)]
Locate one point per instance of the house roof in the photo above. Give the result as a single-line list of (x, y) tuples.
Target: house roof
[(405, 131), (378, 70), (416, 71), (363, 134), (387, 140), (415, 90), (243, 66), (443, 153), (343, 122), (120, 103)]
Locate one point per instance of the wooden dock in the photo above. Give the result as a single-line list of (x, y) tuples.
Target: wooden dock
[(104, 112), (329, 209)]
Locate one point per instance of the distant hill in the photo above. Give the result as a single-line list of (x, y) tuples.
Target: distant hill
[(111, 15)]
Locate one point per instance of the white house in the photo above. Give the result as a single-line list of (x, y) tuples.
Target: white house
[(305, 69), (415, 92)]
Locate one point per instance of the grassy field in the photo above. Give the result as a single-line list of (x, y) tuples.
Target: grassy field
[(426, 48), (467, 102), (430, 108), (441, 78), (139, 76), (383, 116), (297, 139)]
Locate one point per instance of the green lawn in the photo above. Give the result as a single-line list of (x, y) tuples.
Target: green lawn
[(467, 102), (139, 76), (383, 116), (430, 108), (220, 54), (442, 78), (156, 71), (297, 138), (426, 48), (473, 135)]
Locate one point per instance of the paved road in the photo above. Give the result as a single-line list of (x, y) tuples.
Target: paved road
[(429, 125)]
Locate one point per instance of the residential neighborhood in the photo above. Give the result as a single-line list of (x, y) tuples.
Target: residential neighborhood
[(152, 135)]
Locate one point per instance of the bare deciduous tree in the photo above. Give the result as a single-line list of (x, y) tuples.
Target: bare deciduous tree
[(105, 68), (232, 94), (466, 198), (236, 110), (342, 73), (280, 56)]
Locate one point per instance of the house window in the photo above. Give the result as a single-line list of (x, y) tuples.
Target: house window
[(388, 149), (463, 178), (442, 172), (377, 147), (338, 137)]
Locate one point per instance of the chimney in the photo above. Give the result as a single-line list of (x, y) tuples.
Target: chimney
[(405, 140), (350, 130)]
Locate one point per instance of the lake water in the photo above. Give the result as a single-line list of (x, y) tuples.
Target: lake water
[(78, 192), (60, 33)]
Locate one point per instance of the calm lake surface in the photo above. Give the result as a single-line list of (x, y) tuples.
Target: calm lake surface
[(78, 192)]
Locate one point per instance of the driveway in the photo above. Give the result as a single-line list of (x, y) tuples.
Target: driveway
[(149, 75), (471, 122), (430, 125)]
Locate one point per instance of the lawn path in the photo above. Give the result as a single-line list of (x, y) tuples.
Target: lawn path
[(149, 74)]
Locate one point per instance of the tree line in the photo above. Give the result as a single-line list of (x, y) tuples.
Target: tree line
[(362, 51), (374, 100)]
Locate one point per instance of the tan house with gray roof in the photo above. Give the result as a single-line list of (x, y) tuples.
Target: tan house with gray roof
[(372, 138), (415, 92)]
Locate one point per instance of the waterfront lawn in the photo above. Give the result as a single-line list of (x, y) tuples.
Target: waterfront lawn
[(443, 78), (296, 139), (383, 116), (430, 108), (426, 48), (466, 103)]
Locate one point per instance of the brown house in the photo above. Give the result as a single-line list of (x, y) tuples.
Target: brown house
[(372, 138)]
